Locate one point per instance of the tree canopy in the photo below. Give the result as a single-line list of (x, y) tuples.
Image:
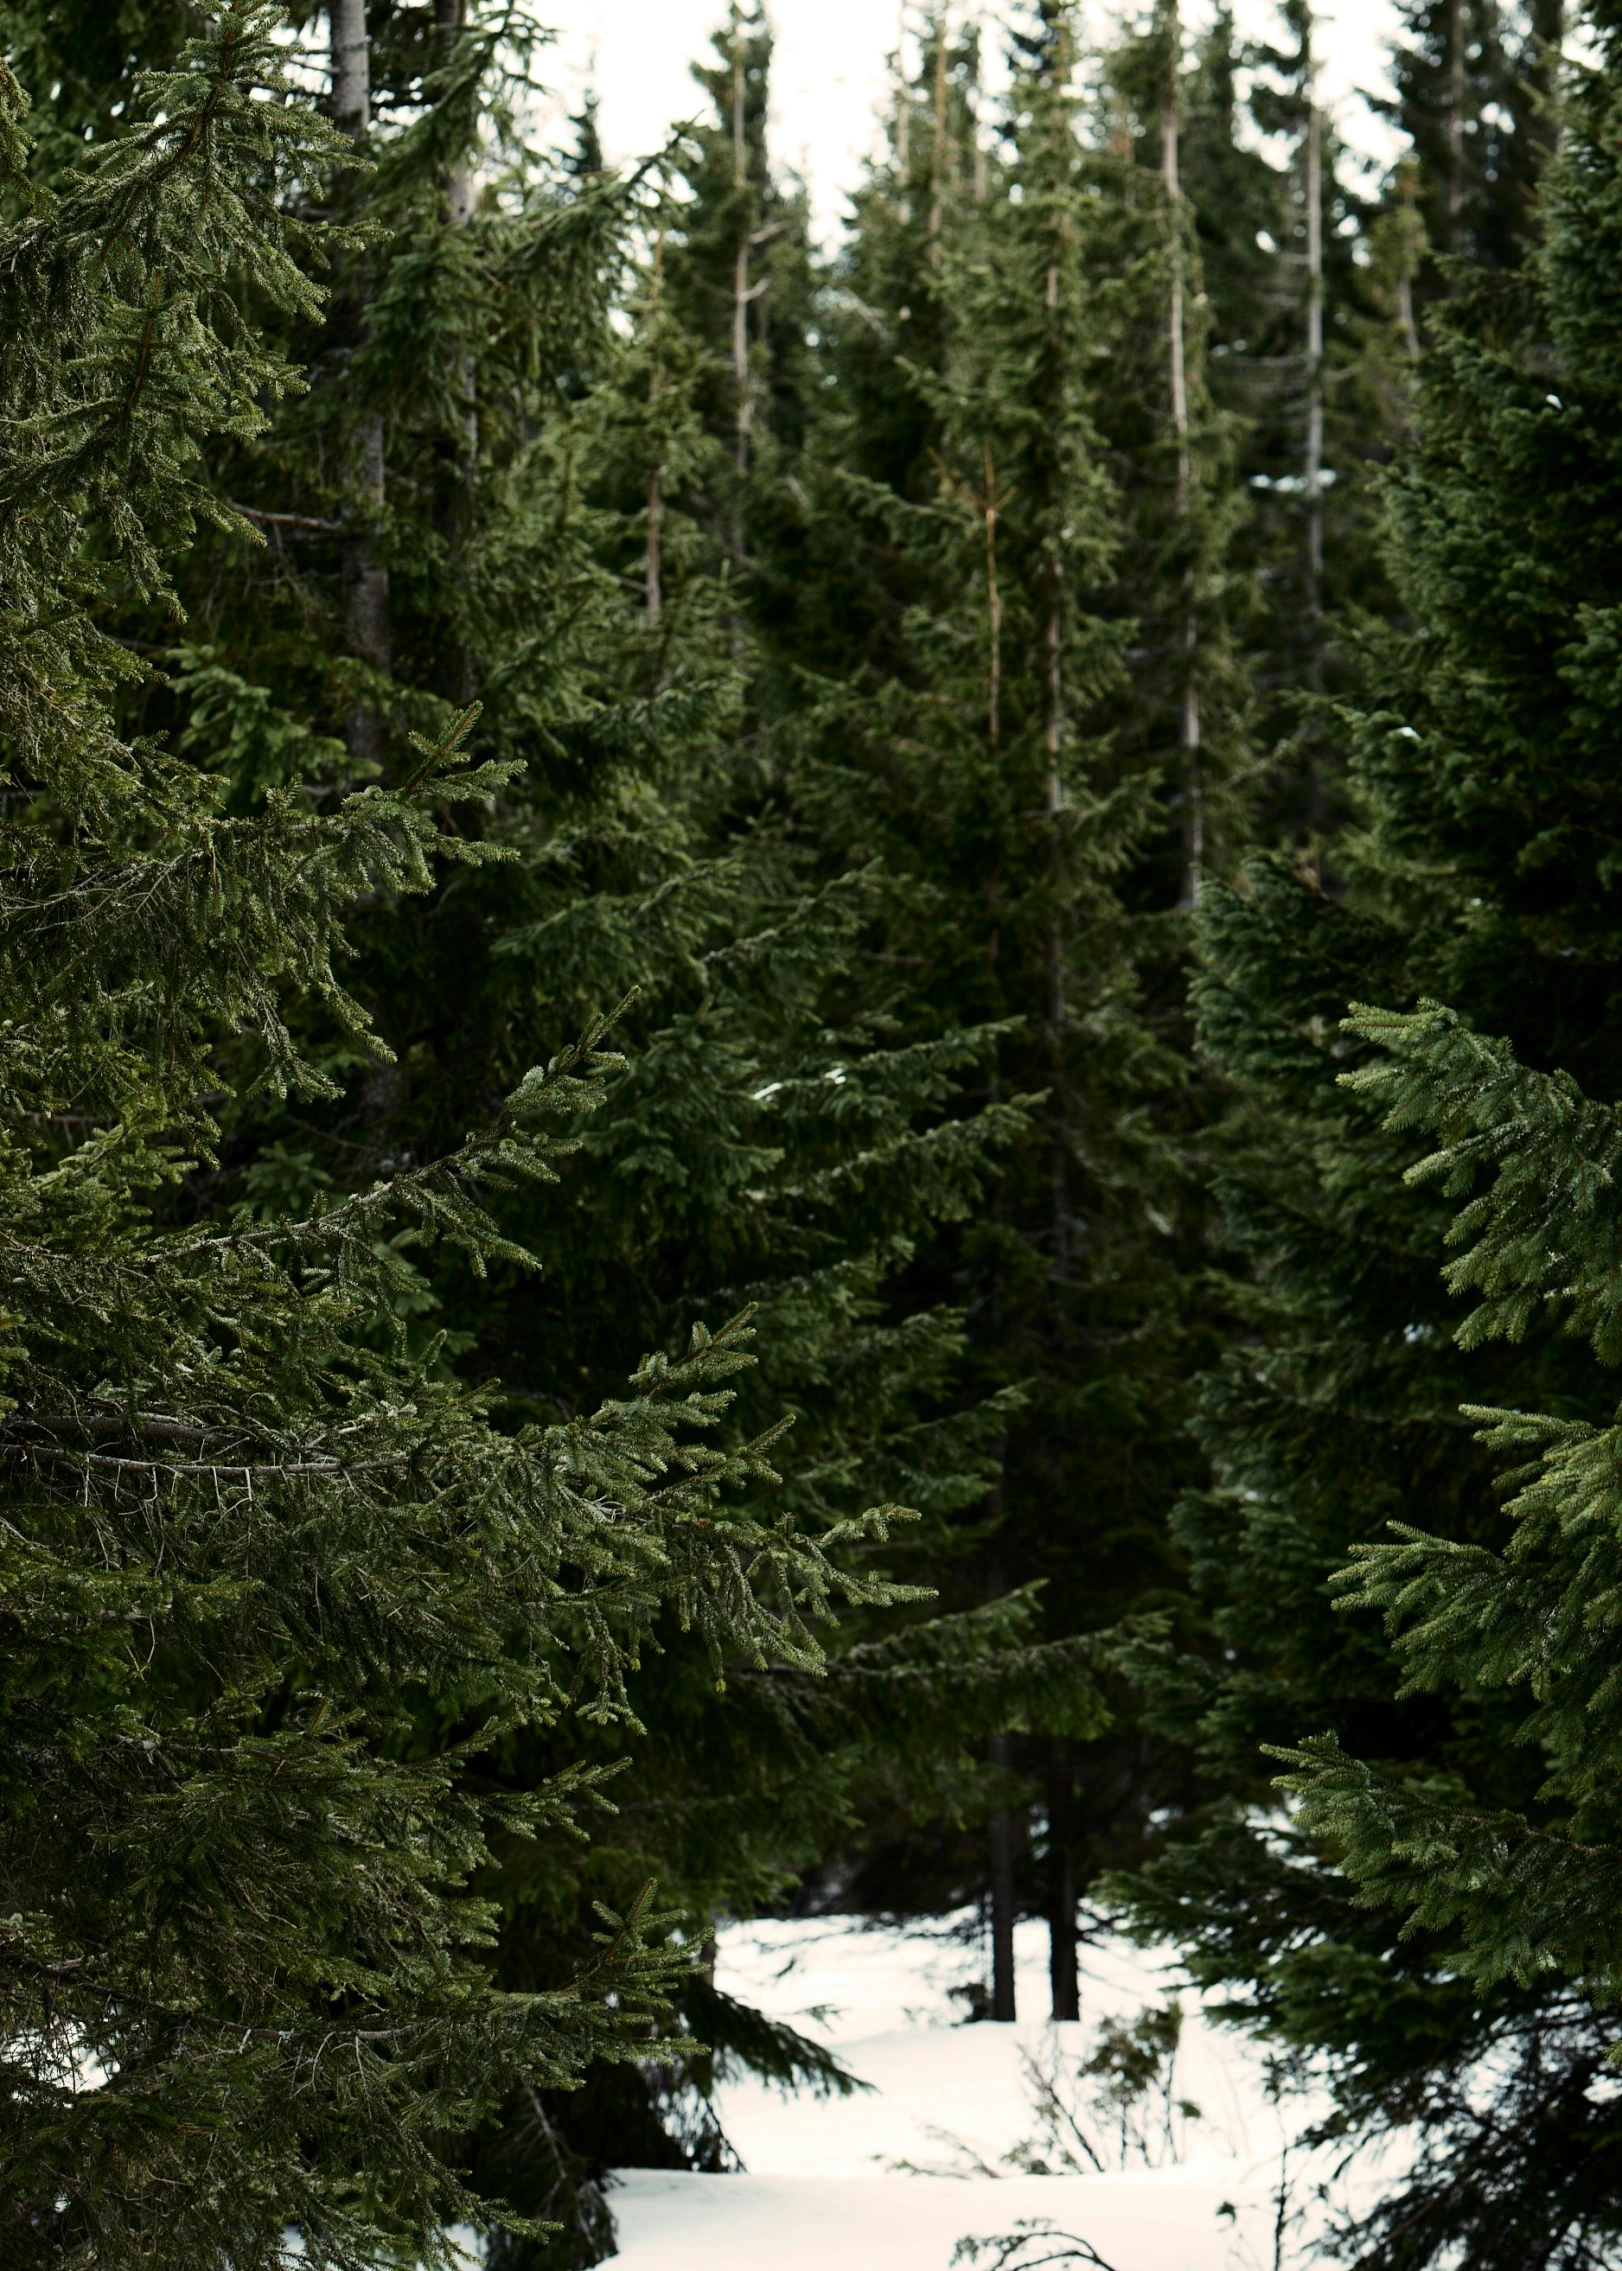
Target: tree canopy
[(810, 1095)]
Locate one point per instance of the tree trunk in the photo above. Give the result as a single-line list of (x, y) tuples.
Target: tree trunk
[(903, 116), (1053, 750), (1408, 253), (1188, 723), (1313, 469), (1062, 1971), (977, 146), (1002, 1896), (937, 169), (740, 282), (366, 584), (1455, 124), (351, 66), (461, 450), (449, 17), (655, 584), (741, 297), (993, 610)]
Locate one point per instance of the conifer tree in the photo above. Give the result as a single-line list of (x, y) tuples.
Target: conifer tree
[(251, 1521), (1474, 80), (973, 337), (1523, 1893), (739, 273), (1173, 449), (872, 438), (1308, 368), (1443, 1772), (773, 1137)]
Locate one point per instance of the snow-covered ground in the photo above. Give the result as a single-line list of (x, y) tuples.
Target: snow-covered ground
[(892, 2178)]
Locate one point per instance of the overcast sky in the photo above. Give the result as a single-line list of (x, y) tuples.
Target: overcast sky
[(830, 67)]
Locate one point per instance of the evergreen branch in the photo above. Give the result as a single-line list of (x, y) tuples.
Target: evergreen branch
[(1547, 1236)]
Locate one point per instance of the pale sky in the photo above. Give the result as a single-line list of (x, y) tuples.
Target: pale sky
[(830, 71)]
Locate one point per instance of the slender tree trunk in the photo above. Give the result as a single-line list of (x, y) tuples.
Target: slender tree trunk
[(1172, 183), (449, 17), (1408, 254), (1053, 782), (351, 66), (741, 297), (655, 516), (456, 190), (1062, 1969), (1053, 749), (740, 370), (1055, 736), (1053, 742), (937, 165), (1455, 124), (740, 280), (977, 147), (366, 584), (655, 589), (1003, 2002), (903, 116), (1188, 629), (993, 611), (1405, 316), (1313, 469), (1000, 1828)]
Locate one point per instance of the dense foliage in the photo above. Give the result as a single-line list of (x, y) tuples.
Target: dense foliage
[(1422, 1928), (666, 895)]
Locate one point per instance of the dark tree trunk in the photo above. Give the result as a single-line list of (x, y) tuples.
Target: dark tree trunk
[(1061, 1888), (1002, 1897)]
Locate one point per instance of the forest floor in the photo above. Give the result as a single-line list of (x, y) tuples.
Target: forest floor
[(940, 2146)]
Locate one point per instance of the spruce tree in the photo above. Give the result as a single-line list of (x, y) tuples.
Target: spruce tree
[(1474, 82), (253, 1523), (1306, 333), (544, 507), (1523, 1893), (739, 276), (1173, 450), (1459, 2004), (882, 318), (989, 314)]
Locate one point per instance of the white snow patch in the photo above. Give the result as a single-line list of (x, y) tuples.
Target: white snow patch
[(1157, 2222), (891, 2178)]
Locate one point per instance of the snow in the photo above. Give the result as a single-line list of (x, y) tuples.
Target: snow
[(1137, 2222), (891, 2178)]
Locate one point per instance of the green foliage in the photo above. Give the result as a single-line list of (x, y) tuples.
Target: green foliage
[(455, 589), (1522, 1893), (1353, 1411), (995, 578), (555, 517), (1477, 102), (251, 1524)]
